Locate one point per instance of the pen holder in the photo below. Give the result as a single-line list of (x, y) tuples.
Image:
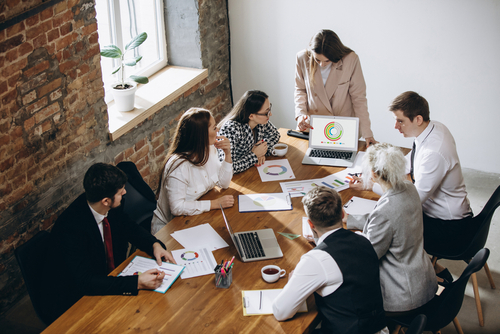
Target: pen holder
[(223, 281)]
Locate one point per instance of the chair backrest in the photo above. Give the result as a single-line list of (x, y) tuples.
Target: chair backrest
[(483, 221), (31, 257), (140, 201), (448, 304), (417, 326)]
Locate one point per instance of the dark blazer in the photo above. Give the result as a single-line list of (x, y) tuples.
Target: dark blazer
[(78, 261)]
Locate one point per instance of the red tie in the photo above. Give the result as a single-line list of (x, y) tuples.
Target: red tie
[(109, 244)]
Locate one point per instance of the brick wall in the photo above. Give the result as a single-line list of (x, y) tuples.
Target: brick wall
[(53, 122)]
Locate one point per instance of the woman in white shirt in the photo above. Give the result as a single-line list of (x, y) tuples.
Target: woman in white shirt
[(329, 81), (192, 168)]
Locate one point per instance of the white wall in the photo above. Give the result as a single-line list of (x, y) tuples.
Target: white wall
[(446, 50)]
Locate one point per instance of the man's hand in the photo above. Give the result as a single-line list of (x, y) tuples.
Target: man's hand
[(162, 254), (150, 279)]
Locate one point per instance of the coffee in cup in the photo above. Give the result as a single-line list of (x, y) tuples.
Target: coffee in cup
[(280, 149), (272, 273)]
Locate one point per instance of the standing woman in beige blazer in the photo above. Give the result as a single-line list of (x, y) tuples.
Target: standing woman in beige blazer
[(329, 81)]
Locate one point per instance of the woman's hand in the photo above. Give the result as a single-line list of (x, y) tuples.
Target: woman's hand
[(369, 141), (225, 201), (225, 145), (357, 183), (260, 149), (303, 123)]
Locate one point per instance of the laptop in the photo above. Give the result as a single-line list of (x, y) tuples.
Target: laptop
[(254, 245), (333, 141)]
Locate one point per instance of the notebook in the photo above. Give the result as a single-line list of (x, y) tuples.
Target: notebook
[(254, 245), (333, 141)]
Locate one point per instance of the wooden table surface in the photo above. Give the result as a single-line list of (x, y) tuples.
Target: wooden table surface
[(194, 305)]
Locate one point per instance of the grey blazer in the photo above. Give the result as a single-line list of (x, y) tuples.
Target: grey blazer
[(395, 229)]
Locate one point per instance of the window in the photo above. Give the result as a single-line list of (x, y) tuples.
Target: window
[(121, 20)]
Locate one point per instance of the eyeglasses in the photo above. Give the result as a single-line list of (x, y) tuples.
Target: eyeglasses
[(268, 111)]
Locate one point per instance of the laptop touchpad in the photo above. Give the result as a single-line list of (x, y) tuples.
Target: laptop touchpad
[(268, 243)]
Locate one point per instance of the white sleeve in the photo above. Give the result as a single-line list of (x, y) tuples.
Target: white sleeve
[(308, 277), (430, 173), (177, 184), (225, 174)]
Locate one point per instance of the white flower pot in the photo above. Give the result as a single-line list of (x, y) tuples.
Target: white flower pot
[(125, 98)]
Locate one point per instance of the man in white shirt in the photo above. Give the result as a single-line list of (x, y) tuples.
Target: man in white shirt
[(342, 272), (435, 168)]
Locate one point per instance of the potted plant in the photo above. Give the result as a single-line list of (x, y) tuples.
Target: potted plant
[(124, 91)]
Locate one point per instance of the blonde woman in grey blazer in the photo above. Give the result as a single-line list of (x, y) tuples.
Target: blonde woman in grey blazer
[(395, 229)]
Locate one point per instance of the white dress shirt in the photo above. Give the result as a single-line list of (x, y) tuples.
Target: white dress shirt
[(316, 272), (438, 174), (325, 72), (98, 218), (186, 183)]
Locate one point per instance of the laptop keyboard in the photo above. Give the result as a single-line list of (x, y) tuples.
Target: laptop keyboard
[(251, 245), (330, 154)]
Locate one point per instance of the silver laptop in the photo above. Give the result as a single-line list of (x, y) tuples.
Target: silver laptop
[(333, 141), (254, 245)]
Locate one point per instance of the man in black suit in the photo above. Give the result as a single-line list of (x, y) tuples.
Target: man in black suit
[(90, 239)]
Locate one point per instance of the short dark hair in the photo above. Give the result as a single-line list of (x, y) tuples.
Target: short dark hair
[(412, 105), (323, 206), (103, 181)]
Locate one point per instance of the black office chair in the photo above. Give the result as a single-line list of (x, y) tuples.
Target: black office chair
[(443, 309), (140, 201), (31, 258), (482, 221), (417, 325)]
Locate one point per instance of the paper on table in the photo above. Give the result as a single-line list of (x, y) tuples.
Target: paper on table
[(306, 230), (334, 182), (275, 170), (201, 236), (299, 188), (140, 264), (254, 305), (197, 262), (264, 202), (359, 206)]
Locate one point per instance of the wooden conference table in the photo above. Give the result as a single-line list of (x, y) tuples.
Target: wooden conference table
[(194, 305)]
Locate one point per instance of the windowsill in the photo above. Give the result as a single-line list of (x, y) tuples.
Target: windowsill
[(163, 88)]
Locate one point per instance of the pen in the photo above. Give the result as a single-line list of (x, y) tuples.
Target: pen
[(354, 174), (260, 306), (230, 262)]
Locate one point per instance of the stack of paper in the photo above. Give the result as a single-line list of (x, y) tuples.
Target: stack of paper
[(201, 236), (258, 302)]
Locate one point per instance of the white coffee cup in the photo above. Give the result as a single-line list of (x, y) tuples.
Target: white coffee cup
[(280, 149), (272, 273)]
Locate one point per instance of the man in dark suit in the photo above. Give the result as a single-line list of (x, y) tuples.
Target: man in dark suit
[(90, 239)]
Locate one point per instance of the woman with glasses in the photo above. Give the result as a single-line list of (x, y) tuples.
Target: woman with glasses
[(329, 81), (192, 168), (248, 129)]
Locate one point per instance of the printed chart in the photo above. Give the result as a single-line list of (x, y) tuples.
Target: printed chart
[(197, 262), (264, 202), (141, 264), (275, 170), (299, 188)]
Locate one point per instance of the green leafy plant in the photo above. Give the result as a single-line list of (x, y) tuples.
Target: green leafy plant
[(112, 51)]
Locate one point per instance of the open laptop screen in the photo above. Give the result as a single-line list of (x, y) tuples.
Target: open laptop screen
[(334, 133)]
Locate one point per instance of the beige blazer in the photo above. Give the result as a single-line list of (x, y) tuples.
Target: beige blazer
[(343, 95)]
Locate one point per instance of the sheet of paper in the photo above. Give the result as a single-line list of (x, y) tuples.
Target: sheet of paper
[(201, 236), (357, 166), (264, 202), (299, 188), (141, 264), (359, 206), (306, 230), (334, 182), (197, 262), (275, 170), (258, 302)]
